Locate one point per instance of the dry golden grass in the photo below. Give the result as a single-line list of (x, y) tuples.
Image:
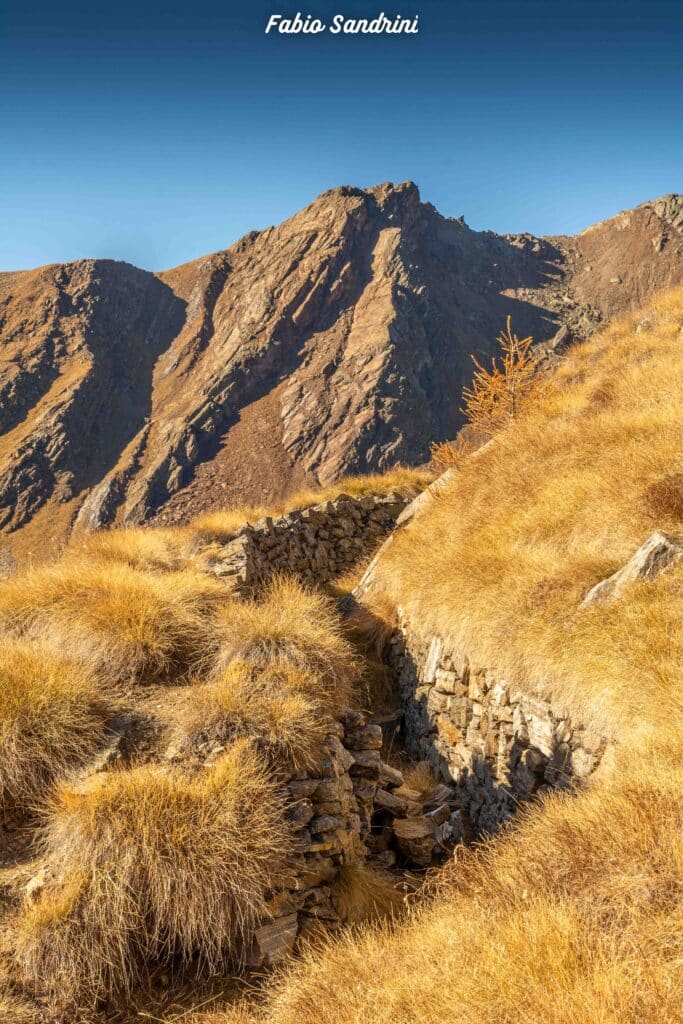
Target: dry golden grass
[(294, 624), (222, 524), (420, 776), (574, 915), (151, 864), (369, 625), (405, 480), (52, 719), (140, 547), (283, 709), (554, 504), (450, 454), (14, 1010), (362, 894), (126, 625), (573, 918)]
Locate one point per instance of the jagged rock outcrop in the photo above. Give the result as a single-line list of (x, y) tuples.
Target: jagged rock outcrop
[(337, 342)]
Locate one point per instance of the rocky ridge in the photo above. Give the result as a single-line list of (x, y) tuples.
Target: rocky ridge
[(335, 343)]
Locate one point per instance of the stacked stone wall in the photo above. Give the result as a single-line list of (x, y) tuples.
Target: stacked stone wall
[(316, 544), (330, 814), (496, 744), (493, 745)]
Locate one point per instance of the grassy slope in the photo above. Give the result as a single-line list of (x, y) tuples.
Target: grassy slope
[(152, 861), (576, 915), (552, 506)]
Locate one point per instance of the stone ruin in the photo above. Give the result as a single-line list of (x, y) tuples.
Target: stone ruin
[(490, 746)]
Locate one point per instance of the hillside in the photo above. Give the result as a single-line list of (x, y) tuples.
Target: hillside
[(187, 786), (574, 915), (186, 779), (334, 343)]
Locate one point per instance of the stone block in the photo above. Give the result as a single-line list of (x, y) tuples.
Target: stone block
[(328, 789), (300, 813), (415, 839), (388, 801), (273, 941), (440, 814), (325, 823), (390, 776), (333, 808), (369, 737), (438, 795), (448, 682), (436, 702), (366, 763), (583, 762), (408, 793), (432, 661), (541, 734)]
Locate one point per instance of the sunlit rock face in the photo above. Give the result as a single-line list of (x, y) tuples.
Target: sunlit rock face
[(335, 343)]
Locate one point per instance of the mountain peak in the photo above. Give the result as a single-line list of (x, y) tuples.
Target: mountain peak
[(337, 342)]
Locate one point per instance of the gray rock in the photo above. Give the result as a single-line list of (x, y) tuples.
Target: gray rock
[(658, 552), (388, 801), (325, 823), (390, 776)]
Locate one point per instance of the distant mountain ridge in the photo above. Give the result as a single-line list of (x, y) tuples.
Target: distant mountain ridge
[(337, 342)]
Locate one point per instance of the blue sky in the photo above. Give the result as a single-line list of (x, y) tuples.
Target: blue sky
[(156, 132)]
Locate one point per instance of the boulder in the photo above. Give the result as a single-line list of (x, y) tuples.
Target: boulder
[(389, 776), (657, 553)]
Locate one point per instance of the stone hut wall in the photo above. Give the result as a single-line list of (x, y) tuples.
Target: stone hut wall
[(497, 745), (493, 745), (330, 813), (332, 806), (316, 543)]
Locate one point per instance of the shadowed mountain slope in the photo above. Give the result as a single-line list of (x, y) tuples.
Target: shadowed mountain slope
[(335, 343)]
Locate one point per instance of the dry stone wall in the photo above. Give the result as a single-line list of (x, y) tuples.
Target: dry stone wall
[(497, 745), (330, 814), (316, 543), (332, 807), (493, 745)]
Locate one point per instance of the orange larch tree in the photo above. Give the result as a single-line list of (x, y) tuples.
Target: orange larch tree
[(495, 396)]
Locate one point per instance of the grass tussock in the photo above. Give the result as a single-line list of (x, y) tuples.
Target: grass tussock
[(126, 625), (139, 547), (153, 865), (575, 914), (222, 525), (362, 894), (283, 709), (420, 776), (52, 719), (293, 624)]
